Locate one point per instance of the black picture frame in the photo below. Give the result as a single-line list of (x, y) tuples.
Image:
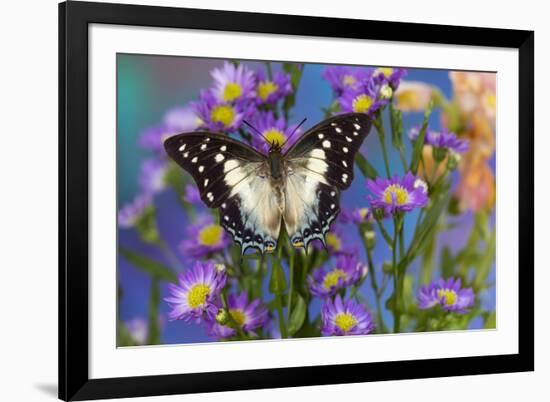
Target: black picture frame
[(74, 19)]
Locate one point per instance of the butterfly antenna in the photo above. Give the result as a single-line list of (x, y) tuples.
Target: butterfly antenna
[(294, 132), (256, 130)]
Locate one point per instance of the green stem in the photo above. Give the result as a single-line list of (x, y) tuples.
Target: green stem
[(291, 285), (381, 136), (282, 326), (396, 293), (384, 232), (232, 321), (376, 289)]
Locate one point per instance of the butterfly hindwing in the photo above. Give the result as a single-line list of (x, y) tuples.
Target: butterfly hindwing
[(321, 166)]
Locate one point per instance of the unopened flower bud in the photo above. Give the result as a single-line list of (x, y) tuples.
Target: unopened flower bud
[(222, 317), (386, 92), (220, 267)]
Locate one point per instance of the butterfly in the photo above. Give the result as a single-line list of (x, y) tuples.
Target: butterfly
[(256, 193)]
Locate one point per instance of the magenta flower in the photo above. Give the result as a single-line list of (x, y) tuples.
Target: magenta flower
[(248, 316), (271, 91), (192, 194), (448, 294), (347, 272), (233, 83), (366, 99), (345, 318), (396, 194), (203, 238), (197, 293)]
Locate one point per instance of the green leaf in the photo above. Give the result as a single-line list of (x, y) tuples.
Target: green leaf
[(298, 314), (447, 263), (149, 266), (491, 320), (365, 166), (277, 282), (419, 142)]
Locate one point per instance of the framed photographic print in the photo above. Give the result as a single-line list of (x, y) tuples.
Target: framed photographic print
[(256, 200)]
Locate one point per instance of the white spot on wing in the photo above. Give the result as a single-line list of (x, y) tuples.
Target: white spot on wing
[(345, 163), (333, 124), (320, 136), (223, 148), (326, 144), (357, 126), (182, 148), (203, 147), (185, 155), (332, 193), (205, 182), (348, 139), (355, 133), (194, 160), (338, 130), (344, 178), (210, 197), (219, 158), (345, 149), (332, 206), (201, 169)]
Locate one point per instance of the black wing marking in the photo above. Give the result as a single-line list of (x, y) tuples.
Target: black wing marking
[(217, 163), (329, 148)]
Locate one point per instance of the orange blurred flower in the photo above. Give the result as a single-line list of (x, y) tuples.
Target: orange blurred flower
[(412, 96), (477, 189)]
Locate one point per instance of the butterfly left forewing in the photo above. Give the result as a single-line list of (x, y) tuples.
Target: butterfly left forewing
[(320, 167), (230, 176)]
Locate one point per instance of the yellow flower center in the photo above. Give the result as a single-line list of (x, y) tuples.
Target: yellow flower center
[(274, 136), (387, 71), (232, 91), (449, 295), (334, 242), (266, 88), (363, 212), (238, 317), (396, 191), (224, 114), (362, 103), (331, 279), (197, 295), (345, 321), (348, 80), (210, 235)]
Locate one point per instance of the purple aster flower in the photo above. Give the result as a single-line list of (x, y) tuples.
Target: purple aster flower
[(273, 129), (390, 76), (355, 216), (232, 83), (448, 294), (442, 139), (249, 316), (152, 174), (343, 78), (345, 318), (396, 194), (130, 213), (363, 100), (192, 194), (175, 121), (197, 293), (271, 91), (203, 238), (220, 116), (347, 272)]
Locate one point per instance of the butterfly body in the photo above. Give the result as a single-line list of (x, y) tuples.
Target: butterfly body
[(257, 194)]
